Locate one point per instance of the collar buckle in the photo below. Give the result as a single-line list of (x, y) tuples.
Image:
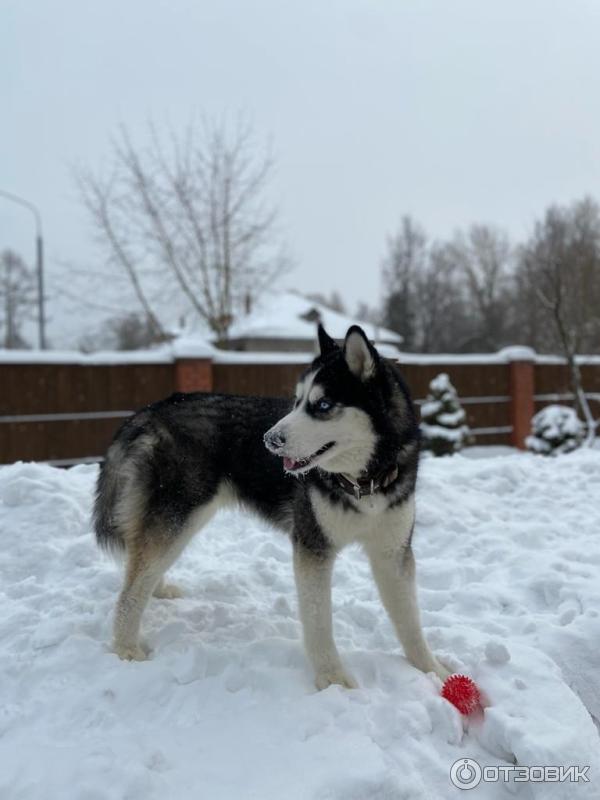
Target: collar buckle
[(368, 486)]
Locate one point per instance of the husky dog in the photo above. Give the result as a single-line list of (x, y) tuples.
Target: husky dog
[(353, 437)]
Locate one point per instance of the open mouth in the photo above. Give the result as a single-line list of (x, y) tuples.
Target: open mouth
[(290, 465)]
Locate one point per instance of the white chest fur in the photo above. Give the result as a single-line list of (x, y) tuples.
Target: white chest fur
[(374, 523)]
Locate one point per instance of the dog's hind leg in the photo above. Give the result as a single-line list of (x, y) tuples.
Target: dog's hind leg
[(146, 564), (150, 553)]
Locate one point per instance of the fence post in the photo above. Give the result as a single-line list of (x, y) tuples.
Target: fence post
[(193, 375), (522, 390)]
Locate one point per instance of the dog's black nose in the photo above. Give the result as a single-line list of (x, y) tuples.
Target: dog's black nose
[(274, 440)]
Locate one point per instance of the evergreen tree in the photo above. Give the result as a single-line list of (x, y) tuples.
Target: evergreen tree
[(443, 424), (555, 429)]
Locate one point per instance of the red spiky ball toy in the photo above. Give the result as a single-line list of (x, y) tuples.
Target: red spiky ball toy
[(462, 692)]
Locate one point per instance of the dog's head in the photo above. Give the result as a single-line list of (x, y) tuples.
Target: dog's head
[(349, 404)]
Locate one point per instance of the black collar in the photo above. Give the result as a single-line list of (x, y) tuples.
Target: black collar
[(364, 487)]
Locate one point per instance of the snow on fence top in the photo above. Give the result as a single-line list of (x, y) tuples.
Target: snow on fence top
[(160, 355), (192, 348)]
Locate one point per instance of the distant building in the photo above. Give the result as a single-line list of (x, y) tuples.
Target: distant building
[(286, 322)]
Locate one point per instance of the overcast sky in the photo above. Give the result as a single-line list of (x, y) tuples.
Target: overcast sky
[(450, 111)]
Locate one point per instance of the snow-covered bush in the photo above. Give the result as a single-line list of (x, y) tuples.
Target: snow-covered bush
[(555, 429), (443, 419)]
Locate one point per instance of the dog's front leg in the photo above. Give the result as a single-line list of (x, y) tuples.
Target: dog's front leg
[(313, 582), (394, 573)]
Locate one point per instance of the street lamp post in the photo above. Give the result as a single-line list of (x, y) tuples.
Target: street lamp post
[(39, 253)]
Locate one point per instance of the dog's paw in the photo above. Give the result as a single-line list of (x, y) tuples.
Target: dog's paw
[(131, 652), (441, 670), (167, 591), (325, 679)]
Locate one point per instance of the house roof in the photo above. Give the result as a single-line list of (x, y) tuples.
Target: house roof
[(287, 315)]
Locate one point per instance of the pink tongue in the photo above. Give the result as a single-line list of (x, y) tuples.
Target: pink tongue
[(289, 463)]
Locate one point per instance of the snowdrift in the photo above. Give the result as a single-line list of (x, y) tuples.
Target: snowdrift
[(508, 554)]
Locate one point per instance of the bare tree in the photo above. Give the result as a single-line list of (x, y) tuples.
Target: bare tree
[(478, 292), (425, 295), (561, 265), (17, 298), (483, 256), (118, 238), (120, 332), (406, 257), (442, 322), (194, 209), (333, 300), (366, 313)]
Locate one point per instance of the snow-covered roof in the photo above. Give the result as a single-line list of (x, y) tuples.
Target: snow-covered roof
[(281, 315)]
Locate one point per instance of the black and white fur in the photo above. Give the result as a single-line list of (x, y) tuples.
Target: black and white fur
[(174, 463)]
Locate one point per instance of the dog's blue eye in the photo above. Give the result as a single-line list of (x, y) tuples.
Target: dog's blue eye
[(324, 405)]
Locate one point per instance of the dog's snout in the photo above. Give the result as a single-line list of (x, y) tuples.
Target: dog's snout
[(274, 440)]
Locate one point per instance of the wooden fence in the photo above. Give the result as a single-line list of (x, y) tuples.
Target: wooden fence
[(67, 411)]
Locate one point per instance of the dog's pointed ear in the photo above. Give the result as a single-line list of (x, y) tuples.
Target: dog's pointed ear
[(360, 355), (326, 343)]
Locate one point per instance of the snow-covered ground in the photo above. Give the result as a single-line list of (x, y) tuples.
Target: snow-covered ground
[(508, 553)]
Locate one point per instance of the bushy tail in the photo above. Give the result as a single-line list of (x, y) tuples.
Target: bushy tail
[(108, 533)]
